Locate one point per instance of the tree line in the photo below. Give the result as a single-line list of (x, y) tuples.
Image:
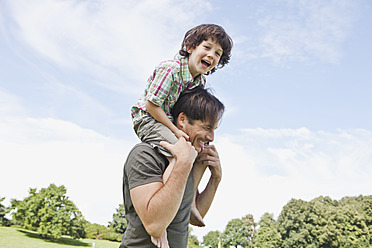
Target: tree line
[(52, 214), (321, 222)]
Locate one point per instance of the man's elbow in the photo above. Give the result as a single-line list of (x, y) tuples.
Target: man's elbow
[(155, 230)]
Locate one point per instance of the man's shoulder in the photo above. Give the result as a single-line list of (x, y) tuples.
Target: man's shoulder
[(142, 147), (143, 150)]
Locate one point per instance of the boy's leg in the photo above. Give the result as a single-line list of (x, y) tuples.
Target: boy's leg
[(161, 242), (197, 173), (169, 169), (153, 132)]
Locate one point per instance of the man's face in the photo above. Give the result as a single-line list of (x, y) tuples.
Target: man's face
[(200, 132)]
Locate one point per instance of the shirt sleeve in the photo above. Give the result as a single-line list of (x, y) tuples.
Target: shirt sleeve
[(160, 85), (143, 167)]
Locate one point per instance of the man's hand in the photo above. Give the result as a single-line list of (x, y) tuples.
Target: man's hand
[(209, 157), (183, 151)]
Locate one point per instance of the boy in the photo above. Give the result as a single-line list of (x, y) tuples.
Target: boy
[(204, 49)]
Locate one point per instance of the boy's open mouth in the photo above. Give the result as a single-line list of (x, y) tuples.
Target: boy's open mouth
[(206, 63)]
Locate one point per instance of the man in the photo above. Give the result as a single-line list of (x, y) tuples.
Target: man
[(152, 206)]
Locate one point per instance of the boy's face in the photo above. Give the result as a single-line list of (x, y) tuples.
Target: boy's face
[(204, 57)]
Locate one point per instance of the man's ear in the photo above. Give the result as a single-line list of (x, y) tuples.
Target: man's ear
[(182, 120)]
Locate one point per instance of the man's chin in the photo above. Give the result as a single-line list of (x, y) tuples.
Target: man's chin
[(198, 149)]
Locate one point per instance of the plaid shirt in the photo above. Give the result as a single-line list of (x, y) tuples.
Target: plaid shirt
[(165, 85)]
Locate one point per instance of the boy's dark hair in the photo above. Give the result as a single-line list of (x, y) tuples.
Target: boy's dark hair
[(198, 104), (198, 34)]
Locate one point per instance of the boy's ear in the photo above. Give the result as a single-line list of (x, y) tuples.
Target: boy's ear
[(189, 49)]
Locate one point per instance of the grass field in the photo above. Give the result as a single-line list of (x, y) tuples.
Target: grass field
[(19, 238)]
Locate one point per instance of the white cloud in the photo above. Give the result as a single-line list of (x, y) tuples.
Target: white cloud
[(9, 104), (264, 168), (110, 39), (305, 30), (38, 152)]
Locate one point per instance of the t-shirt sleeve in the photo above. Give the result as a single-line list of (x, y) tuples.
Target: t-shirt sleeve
[(143, 167)]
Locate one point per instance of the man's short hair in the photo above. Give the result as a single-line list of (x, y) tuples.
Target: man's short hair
[(198, 104)]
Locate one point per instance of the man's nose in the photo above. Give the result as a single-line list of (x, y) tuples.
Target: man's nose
[(210, 136)]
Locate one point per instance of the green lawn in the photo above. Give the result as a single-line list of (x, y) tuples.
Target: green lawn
[(19, 238)]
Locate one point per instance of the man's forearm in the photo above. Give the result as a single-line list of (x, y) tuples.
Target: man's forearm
[(164, 204)]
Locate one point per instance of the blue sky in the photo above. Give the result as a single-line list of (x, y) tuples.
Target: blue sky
[(297, 92)]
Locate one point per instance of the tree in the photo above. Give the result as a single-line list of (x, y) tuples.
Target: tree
[(49, 212), (193, 240), (292, 224), (251, 225), (267, 235), (96, 231), (119, 222), (326, 223), (212, 238), (3, 211), (237, 233)]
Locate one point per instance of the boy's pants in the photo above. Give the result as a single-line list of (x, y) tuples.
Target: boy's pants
[(151, 131)]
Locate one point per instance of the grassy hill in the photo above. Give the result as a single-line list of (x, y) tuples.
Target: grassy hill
[(19, 238)]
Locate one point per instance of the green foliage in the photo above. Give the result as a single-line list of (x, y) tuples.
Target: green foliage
[(119, 222), (267, 235), (3, 211), (193, 240), (212, 238), (49, 212), (239, 232), (100, 232), (319, 223), (324, 222)]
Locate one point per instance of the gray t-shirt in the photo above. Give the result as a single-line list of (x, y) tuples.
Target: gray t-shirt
[(143, 166)]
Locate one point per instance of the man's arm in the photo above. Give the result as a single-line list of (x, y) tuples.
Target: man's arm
[(208, 157), (156, 203)]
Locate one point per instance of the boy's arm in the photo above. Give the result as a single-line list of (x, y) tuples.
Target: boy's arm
[(208, 157), (159, 115)]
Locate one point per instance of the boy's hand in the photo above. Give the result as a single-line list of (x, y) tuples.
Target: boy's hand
[(180, 133)]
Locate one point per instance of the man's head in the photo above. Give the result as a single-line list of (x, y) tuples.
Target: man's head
[(197, 112), (195, 36)]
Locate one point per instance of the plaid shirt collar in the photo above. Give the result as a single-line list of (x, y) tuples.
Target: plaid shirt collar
[(186, 74)]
